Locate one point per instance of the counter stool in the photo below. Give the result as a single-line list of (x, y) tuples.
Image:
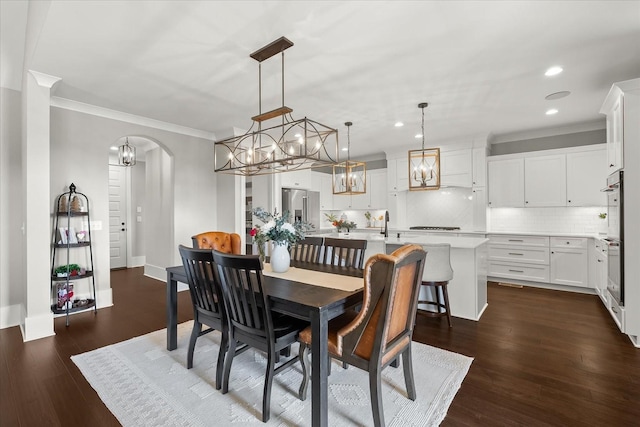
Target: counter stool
[(436, 276)]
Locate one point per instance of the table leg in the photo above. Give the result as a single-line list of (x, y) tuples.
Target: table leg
[(172, 312), (319, 369)]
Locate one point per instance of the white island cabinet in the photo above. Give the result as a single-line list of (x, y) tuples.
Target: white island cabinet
[(468, 288)]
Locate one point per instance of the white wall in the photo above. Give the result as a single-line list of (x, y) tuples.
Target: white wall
[(12, 284), (138, 197)]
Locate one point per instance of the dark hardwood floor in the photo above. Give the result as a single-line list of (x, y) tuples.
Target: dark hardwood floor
[(541, 358)]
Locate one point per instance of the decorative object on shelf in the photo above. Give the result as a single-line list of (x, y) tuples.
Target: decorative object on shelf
[(291, 145), (277, 229), (75, 204), (349, 177), (62, 203), (367, 216), (424, 164), (126, 154), (340, 224), (602, 215)]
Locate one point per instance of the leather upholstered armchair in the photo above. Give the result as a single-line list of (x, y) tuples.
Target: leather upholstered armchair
[(228, 243)]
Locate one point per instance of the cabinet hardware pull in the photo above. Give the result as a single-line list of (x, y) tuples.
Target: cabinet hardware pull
[(516, 271), (514, 253), (614, 310), (516, 240), (611, 165), (599, 260), (568, 243)]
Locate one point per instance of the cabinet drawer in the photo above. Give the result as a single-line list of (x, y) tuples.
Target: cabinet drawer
[(568, 242), (519, 240), (519, 254), (534, 273), (617, 312)]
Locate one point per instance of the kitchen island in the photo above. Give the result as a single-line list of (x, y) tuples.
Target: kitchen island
[(467, 289)]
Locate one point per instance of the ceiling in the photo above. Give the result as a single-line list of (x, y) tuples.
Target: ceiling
[(479, 64)]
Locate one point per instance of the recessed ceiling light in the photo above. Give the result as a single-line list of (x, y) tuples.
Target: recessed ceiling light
[(418, 135), (399, 124), (345, 149), (557, 95), (551, 112), (555, 70), (114, 148)]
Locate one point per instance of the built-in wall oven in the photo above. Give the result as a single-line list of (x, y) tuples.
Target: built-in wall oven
[(615, 235)]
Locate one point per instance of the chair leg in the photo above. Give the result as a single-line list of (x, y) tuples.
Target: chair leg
[(195, 332), (375, 389), (220, 364), (445, 293), (303, 354), (407, 366), (231, 352), (286, 352), (395, 363), (268, 382)]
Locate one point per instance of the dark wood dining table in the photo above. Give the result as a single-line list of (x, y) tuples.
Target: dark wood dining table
[(317, 304)]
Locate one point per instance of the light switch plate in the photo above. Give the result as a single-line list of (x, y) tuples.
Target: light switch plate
[(139, 209)]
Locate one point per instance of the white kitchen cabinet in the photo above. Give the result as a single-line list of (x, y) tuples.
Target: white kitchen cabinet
[(598, 268), (506, 183), (586, 175), (455, 168), (614, 109), (519, 257), (296, 179), (326, 191), (341, 202), (479, 195), (479, 167), (398, 174), (377, 187), (568, 261), (545, 181)]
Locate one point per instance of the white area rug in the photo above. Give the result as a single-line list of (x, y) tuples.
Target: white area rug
[(143, 384)]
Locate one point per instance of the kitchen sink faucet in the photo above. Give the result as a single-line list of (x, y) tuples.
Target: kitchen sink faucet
[(386, 224)]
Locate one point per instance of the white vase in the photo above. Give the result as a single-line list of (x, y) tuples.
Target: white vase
[(280, 258)]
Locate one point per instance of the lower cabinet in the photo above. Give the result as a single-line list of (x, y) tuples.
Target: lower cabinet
[(555, 260), (598, 263), (568, 262)]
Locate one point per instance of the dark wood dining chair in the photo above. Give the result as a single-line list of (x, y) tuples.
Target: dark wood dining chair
[(229, 243), (381, 331), (251, 321), (206, 296), (308, 249), (344, 252)]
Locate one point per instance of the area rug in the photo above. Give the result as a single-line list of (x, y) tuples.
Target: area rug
[(143, 384)]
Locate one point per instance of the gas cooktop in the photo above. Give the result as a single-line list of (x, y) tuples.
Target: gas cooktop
[(429, 227)]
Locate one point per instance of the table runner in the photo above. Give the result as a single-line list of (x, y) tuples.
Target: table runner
[(317, 278)]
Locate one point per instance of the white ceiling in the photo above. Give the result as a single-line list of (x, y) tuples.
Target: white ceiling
[(479, 64)]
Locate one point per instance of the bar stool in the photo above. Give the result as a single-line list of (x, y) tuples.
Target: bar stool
[(436, 277)]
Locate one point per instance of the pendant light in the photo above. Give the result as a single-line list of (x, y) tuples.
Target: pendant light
[(349, 177), (126, 154), (424, 164)]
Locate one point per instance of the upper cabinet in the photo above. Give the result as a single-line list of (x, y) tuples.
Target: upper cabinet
[(455, 168), (479, 167), (544, 181), (586, 175), (568, 177), (506, 183), (326, 189), (613, 107), (296, 179), (398, 174)]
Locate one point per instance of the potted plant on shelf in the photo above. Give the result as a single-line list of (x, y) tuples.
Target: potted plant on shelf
[(367, 215), (278, 229), (69, 269)]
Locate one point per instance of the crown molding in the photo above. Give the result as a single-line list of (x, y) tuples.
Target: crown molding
[(107, 113), (553, 131), (44, 80)]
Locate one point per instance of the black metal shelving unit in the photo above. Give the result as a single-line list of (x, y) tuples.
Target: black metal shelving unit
[(69, 210)]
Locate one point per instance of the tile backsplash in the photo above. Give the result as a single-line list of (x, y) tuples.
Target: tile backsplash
[(553, 220), (447, 207)]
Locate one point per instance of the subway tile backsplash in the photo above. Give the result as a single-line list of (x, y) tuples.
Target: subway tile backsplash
[(447, 207), (552, 220)]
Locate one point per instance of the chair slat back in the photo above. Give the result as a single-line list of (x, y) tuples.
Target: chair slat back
[(242, 287), (344, 252), (202, 280), (308, 249)]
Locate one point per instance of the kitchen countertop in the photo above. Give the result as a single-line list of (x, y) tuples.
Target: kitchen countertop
[(406, 232), (461, 242)]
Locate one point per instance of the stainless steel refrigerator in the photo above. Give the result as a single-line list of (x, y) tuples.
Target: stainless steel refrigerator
[(303, 205)]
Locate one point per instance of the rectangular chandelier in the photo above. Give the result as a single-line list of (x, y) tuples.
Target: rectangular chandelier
[(424, 169), (290, 145), (349, 178)]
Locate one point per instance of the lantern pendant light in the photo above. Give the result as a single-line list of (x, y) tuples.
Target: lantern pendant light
[(424, 164), (349, 177)]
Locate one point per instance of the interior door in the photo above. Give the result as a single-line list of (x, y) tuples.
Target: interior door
[(117, 217)]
